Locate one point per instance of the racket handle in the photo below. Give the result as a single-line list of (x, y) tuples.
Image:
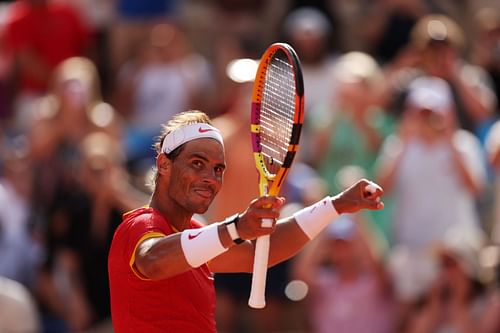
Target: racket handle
[(257, 298)]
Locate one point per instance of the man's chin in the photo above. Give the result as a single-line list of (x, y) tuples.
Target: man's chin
[(201, 211), (202, 208)]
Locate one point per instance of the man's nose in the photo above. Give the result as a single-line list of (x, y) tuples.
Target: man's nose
[(210, 175)]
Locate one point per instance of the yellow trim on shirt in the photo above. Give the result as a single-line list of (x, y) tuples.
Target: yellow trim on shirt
[(148, 235)]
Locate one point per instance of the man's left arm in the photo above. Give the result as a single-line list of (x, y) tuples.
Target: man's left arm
[(292, 233)]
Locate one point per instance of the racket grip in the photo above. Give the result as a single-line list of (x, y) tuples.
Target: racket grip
[(257, 298)]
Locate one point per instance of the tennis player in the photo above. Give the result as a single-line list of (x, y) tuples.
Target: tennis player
[(161, 260)]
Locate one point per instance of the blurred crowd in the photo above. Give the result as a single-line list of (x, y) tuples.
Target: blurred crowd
[(403, 92)]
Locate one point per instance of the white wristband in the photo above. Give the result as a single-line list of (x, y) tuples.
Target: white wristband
[(313, 219), (201, 245)]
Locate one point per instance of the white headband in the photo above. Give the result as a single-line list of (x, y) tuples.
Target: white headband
[(190, 132)]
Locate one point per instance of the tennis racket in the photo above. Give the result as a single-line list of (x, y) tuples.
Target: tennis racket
[(276, 122)]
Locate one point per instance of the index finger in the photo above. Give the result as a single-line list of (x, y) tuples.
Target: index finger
[(270, 202)]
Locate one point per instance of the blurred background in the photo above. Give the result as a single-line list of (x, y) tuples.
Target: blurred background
[(404, 92)]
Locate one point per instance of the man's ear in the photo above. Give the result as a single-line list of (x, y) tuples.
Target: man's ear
[(163, 164)]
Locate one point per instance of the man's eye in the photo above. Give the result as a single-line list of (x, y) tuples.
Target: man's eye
[(197, 163), (219, 169)]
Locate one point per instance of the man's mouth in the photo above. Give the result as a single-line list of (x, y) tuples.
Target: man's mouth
[(204, 192)]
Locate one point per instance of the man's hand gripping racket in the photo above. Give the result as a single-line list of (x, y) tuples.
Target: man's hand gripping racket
[(276, 122)]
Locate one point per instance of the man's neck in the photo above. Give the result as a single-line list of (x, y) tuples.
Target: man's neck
[(178, 218)]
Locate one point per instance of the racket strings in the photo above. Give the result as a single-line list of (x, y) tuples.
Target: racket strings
[(277, 112)]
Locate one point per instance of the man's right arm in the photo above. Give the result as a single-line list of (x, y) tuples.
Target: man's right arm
[(167, 256), (159, 257)]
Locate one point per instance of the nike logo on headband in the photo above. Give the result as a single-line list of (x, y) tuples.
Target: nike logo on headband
[(204, 130)]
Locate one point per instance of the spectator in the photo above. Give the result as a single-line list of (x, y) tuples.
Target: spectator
[(40, 34), (434, 170), (348, 132), (167, 72), (21, 250), (82, 224), (436, 43), (72, 110), (308, 31), (455, 301), (349, 289)]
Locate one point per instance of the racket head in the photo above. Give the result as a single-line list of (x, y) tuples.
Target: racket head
[(277, 115)]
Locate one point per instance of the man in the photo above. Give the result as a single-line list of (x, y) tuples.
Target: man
[(434, 169), (161, 260), (435, 172), (350, 289), (435, 49)]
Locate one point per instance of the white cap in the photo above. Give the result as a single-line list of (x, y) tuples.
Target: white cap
[(463, 243), (430, 93), (307, 20)]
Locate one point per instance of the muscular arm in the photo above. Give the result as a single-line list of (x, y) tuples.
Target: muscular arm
[(160, 257), (163, 257), (288, 237)]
